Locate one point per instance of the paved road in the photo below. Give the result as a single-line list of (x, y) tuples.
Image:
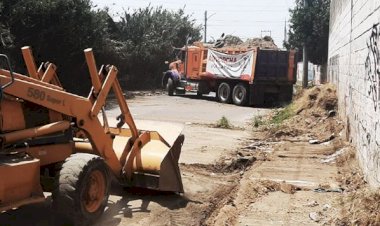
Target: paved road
[(189, 108), (203, 144)]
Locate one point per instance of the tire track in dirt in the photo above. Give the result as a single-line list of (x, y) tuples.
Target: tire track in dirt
[(207, 192), (221, 205), (240, 197), (209, 188)]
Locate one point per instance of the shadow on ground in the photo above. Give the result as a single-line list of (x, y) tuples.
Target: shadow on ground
[(195, 97), (42, 214)]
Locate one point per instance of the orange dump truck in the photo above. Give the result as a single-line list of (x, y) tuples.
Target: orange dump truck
[(242, 76)]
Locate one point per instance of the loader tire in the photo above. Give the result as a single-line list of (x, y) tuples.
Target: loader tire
[(170, 87), (81, 189)]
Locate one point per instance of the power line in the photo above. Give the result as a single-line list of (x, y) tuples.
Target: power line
[(211, 5), (220, 11), (249, 21), (237, 25)]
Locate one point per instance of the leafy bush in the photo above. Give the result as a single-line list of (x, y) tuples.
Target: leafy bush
[(150, 35), (223, 123), (283, 115), (258, 121)]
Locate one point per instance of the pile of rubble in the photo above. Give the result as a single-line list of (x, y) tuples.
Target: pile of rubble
[(314, 111), (264, 43)]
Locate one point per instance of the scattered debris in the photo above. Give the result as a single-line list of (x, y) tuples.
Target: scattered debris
[(260, 146), (132, 94), (315, 121), (331, 113), (288, 188), (312, 204), (314, 142), (229, 164), (323, 190), (332, 158), (326, 207), (315, 216), (322, 141)]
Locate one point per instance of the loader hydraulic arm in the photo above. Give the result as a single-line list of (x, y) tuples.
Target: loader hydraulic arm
[(83, 110)]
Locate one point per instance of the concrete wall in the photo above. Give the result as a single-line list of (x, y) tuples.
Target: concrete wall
[(316, 74), (300, 72), (354, 66)]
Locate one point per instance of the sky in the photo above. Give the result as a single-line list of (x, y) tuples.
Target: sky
[(243, 18)]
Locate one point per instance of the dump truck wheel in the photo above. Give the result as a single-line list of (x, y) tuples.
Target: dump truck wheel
[(170, 87), (82, 189), (224, 93), (239, 94)]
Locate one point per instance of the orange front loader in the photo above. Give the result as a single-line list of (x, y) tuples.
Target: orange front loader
[(46, 133)]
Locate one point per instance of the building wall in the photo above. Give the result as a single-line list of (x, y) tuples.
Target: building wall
[(354, 66), (300, 72), (316, 74)]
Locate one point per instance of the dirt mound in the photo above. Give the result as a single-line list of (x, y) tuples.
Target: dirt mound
[(317, 101), (262, 187), (360, 205), (264, 43), (231, 40), (361, 208), (239, 162), (314, 111)]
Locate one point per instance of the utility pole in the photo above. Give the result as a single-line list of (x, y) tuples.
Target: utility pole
[(305, 77), (205, 38), (285, 32), (206, 19)]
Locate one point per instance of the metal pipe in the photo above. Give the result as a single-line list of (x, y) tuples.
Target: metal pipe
[(34, 132)]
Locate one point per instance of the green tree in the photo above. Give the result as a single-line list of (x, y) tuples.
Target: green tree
[(310, 25), (6, 40), (149, 35), (58, 31)]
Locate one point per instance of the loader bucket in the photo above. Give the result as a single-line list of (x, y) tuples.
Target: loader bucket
[(157, 168), (156, 165)]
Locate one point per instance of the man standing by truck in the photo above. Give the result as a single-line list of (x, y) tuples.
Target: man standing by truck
[(174, 67)]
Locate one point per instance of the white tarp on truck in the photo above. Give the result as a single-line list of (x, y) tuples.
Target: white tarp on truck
[(230, 66)]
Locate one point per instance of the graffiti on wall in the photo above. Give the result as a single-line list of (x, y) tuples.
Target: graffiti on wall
[(372, 66)]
